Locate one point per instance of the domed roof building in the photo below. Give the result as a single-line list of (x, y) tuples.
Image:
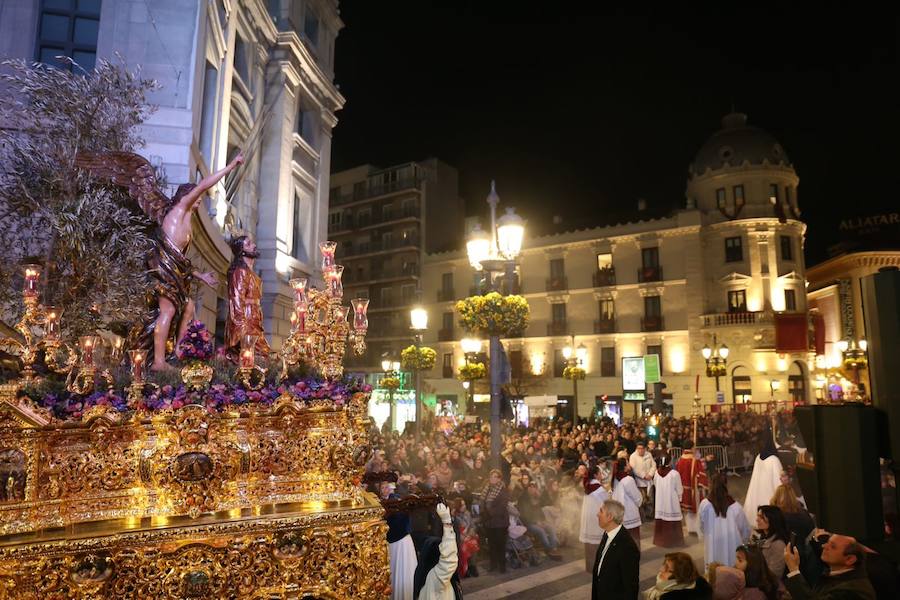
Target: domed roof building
[(736, 144)]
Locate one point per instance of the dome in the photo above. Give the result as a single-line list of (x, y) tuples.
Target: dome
[(735, 143)]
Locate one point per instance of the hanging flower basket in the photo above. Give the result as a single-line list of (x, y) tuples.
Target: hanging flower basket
[(494, 314), (390, 383), (472, 371), (574, 373), (417, 359)]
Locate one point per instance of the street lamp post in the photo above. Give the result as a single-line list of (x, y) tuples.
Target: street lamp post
[(495, 254), (574, 358), (855, 357), (716, 360), (418, 317), (391, 368), (470, 347), (774, 386)]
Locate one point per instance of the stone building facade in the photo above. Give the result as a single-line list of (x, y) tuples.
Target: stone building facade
[(720, 269), (249, 75)]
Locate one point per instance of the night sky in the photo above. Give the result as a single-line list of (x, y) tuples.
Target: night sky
[(580, 114)]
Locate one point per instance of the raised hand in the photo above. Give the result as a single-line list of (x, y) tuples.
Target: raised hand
[(444, 513), (208, 277)]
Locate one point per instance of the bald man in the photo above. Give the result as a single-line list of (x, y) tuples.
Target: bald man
[(846, 577)]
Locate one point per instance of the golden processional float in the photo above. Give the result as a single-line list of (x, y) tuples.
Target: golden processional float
[(244, 490)]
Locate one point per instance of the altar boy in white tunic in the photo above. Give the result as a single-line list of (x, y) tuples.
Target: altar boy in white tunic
[(667, 531), (595, 495), (625, 490)]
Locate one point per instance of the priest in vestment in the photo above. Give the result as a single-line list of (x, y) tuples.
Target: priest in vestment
[(667, 531), (693, 477)]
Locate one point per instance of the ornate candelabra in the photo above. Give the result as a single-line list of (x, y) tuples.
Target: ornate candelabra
[(39, 329), (321, 328)]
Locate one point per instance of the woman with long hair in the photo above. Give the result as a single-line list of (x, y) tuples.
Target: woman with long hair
[(722, 523), (759, 582), (772, 536)]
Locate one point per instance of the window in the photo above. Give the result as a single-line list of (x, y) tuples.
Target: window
[(558, 312), (409, 208), (559, 363), (734, 252), (241, 59), (652, 306), (737, 301), (447, 321), (650, 257), (68, 28), (364, 217), (334, 219), (408, 293), (657, 350), (773, 193), (311, 27), (790, 300), (738, 195), (447, 367), (302, 222), (306, 123), (557, 268), (787, 195), (208, 114), (720, 198), (797, 388), (515, 364), (608, 361), (447, 285), (607, 309), (387, 212), (787, 248), (741, 390), (604, 261), (386, 296), (387, 239)]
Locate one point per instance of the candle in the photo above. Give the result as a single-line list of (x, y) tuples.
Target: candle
[(299, 286), (247, 359), (327, 249), (333, 280), (137, 365), (32, 275), (88, 344), (52, 324), (248, 348), (360, 308)]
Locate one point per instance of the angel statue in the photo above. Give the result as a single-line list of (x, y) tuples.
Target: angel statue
[(169, 303)]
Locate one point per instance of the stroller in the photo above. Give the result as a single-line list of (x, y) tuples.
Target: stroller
[(520, 550)]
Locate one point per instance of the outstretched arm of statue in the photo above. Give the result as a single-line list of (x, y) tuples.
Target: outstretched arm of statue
[(207, 277), (192, 197)]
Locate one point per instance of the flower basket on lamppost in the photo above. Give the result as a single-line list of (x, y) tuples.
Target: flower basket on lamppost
[(391, 382), (495, 253), (418, 358), (574, 371)]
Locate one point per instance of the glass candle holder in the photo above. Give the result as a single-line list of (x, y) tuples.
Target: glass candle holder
[(360, 310), (32, 278), (88, 345), (52, 325), (333, 281), (248, 351), (300, 286), (138, 358), (327, 249), (341, 314)]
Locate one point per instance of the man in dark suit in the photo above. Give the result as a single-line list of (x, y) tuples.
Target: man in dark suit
[(617, 567)]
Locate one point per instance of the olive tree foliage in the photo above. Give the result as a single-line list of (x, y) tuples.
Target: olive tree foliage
[(92, 240)]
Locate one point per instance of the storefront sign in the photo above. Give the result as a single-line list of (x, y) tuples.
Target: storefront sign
[(651, 369), (848, 325)]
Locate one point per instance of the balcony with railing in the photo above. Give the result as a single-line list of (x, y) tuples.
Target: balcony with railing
[(558, 328), (374, 190), (605, 326), (446, 295), (652, 323), (409, 271), (647, 274), (605, 277), (732, 319), (373, 246), (557, 284), (446, 335)]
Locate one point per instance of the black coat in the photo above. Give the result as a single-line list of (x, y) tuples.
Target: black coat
[(619, 577), (495, 514), (701, 591)]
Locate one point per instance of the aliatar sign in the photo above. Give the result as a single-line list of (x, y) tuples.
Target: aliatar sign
[(868, 232), (871, 222)]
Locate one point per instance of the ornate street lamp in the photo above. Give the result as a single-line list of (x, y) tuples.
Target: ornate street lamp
[(418, 318), (495, 254), (575, 358), (855, 354), (716, 360), (391, 369), (470, 347)]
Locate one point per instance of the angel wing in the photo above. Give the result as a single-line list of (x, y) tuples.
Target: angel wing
[(132, 171)]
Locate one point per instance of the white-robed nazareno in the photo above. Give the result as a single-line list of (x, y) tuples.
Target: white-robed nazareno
[(625, 491), (403, 568), (591, 532), (722, 535), (765, 480)]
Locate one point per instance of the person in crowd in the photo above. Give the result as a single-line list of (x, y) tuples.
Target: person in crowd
[(759, 582), (881, 571), (722, 523), (594, 496), (532, 513), (616, 569), (401, 551), (772, 536), (626, 492), (845, 559), (643, 468), (495, 518), (766, 477), (466, 538), (678, 579), (727, 583), (476, 477), (435, 575), (693, 477), (667, 530)]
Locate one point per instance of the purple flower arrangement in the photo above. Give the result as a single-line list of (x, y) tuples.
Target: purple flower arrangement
[(217, 398), (197, 343)]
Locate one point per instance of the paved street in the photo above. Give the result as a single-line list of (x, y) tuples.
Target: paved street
[(567, 580)]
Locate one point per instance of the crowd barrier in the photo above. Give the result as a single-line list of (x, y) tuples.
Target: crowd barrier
[(737, 456)]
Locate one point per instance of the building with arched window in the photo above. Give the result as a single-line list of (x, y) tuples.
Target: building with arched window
[(727, 269)]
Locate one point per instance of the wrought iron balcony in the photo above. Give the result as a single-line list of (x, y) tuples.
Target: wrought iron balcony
[(652, 323), (646, 274), (605, 326), (728, 319), (557, 328), (605, 277), (445, 335), (446, 295), (557, 284)]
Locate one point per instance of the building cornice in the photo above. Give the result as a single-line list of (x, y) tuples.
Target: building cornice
[(840, 265), (311, 74)]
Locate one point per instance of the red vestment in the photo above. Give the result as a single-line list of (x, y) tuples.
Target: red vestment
[(693, 476)]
